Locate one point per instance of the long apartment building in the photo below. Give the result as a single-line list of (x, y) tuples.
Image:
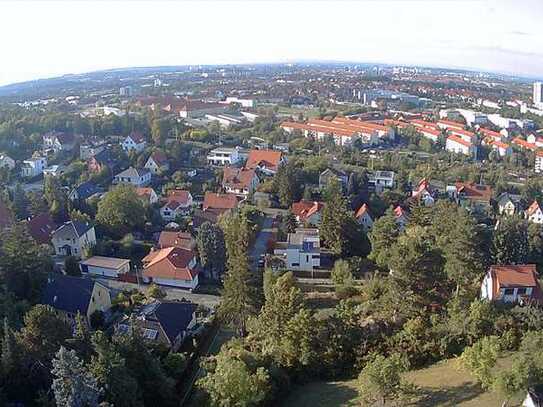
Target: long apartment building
[(343, 130)]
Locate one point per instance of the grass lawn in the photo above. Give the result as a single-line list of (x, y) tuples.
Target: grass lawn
[(442, 384)]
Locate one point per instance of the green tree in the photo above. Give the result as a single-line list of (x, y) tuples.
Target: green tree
[(211, 249), (238, 297), (71, 266), (480, 359), (232, 382), (342, 275), (109, 368), (380, 381), (121, 210), (73, 385), (155, 292), (383, 236), (20, 203), (510, 242), (339, 229), (290, 223), (287, 184)]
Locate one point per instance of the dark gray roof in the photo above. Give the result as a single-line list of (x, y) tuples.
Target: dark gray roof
[(86, 190), (69, 294), (73, 227), (174, 317)]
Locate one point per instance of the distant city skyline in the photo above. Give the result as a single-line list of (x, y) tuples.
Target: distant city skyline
[(43, 39)]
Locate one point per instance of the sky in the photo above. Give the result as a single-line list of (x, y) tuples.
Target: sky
[(41, 39)]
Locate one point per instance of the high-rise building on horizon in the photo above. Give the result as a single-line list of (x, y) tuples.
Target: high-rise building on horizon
[(538, 96)]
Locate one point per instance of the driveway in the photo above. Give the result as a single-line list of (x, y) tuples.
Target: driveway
[(261, 241), (172, 293)]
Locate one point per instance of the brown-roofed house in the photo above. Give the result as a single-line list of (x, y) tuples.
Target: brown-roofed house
[(239, 181), (147, 194), (218, 201), (267, 161), (172, 266), (364, 218), (178, 203), (474, 196), (309, 212), (511, 283), (157, 162), (184, 240)]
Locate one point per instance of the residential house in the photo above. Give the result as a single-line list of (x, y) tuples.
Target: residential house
[(134, 142), (41, 227), (6, 162), (401, 217), (166, 323), (534, 213), (74, 295), (59, 141), (157, 163), (301, 251), (172, 266), (534, 398), (424, 193), (104, 160), (223, 156), (72, 238), (332, 174), (511, 283), (33, 167), (239, 181), (364, 218), (508, 204), (266, 161), (381, 180), (502, 148), (220, 202), (88, 150), (54, 170), (538, 167), (178, 203), (148, 195), (475, 197), (458, 145), (139, 177), (184, 240), (84, 191), (308, 212), (105, 266)]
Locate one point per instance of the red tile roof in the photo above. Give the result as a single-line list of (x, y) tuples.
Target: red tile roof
[(172, 263), (177, 197), (305, 209), (159, 158), (183, 240), (510, 276), (474, 191), (460, 141), (238, 178), (399, 211), (524, 144), (214, 200), (449, 123), (269, 159), (361, 211), (533, 208)]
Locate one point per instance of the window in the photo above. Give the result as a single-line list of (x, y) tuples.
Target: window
[(150, 333), (295, 264), (521, 291), (508, 291)]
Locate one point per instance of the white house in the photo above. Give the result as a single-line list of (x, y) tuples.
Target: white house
[(105, 266), (72, 238), (223, 156), (54, 170), (178, 203), (363, 217), (147, 194), (538, 161), (502, 148), (534, 398), (508, 204), (134, 141), (458, 145), (58, 141), (157, 162), (139, 177), (424, 193), (380, 180), (239, 181), (33, 167), (7, 162), (172, 266), (301, 251), (400, 217), (511, 283), (534, 213)]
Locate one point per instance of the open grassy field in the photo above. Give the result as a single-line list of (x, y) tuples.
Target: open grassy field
[(442, 384)]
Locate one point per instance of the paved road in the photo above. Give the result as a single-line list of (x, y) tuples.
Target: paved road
[(261, 241), (172, 292)]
